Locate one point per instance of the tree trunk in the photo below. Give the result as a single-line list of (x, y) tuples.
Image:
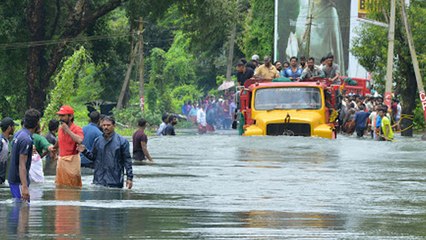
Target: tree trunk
[(409, 96), (36, 21), (39, 73), (229, 64)]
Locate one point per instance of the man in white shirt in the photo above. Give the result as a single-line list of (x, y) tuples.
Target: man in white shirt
[(163, 125), (201, 120)]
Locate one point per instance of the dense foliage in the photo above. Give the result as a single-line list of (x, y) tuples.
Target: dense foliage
[(78, 51), (371, 50)]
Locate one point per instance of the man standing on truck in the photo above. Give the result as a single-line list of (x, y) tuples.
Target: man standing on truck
[(243, 73), (293, 72), (331, 70), (266, 71), (312, 70)]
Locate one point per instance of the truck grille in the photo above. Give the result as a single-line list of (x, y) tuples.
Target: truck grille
[(290, 129)]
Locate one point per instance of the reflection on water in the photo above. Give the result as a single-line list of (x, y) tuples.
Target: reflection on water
[(67, 217), (18, 219), (226, 186)]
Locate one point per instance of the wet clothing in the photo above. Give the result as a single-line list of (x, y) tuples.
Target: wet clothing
[(68, 170), (169, 130), (288, 73), (161, 128), (378, 121), (266, 72), (201, 117), (15, 190), (4, 155), (361, 122), (22, 144), (67, 146), (111, 156), (40, 143), (91, 132), (138, 137), (386, 123), (242, 77)]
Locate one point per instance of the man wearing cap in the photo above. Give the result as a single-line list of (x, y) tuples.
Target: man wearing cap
[(266, 71), (20, 157), (254, 63), (8, 128), (69, 136)]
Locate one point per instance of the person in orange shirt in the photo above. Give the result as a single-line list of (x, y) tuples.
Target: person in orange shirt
[(69, 136)]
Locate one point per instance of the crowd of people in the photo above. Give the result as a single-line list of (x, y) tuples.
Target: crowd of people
[(207, 114), (68, 147), (294, 70), (358, 114), (368, 115)]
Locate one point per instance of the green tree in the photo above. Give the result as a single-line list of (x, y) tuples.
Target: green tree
[(76, 76), (371, 49), (258, 36)]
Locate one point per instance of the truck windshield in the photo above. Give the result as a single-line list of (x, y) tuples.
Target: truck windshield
[(287, 98)]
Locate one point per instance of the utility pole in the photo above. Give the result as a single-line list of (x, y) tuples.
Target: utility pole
[(391, 44), (231, 52), (141, 66), (127, 78), (415, 62), (310, 18)]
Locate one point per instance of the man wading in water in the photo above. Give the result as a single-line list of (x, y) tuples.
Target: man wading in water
[(111, 156), (69, 136)]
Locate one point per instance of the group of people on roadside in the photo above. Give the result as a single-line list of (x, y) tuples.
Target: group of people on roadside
[(97, 146), (294, 70), (211, 113), (368, 115)]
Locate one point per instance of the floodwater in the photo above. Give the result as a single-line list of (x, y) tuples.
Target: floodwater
[(224, 186)]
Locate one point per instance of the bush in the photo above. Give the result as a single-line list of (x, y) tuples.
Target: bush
[(128, 117)]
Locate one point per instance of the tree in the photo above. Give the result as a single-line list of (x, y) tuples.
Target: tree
[(370, 48), (42, 64), (258, 36), (75, 76)]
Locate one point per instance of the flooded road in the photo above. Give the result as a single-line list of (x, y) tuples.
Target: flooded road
[(225, 186)]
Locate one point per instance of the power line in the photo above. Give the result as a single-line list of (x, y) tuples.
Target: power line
[(18, 45)]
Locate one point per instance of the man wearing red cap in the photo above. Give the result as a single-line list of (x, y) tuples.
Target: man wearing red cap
[(69, 136)]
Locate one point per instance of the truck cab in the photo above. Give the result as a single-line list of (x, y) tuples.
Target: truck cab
[(308, 108)]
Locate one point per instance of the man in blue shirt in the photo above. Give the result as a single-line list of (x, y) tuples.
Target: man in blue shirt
[(361, 121), (91, 132), (378, 126), (20, 163), (293, 72)]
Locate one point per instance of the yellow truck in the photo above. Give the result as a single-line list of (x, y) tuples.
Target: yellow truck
[(288, 108)]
